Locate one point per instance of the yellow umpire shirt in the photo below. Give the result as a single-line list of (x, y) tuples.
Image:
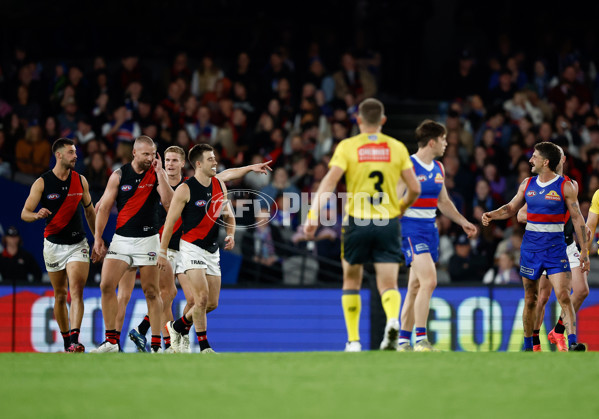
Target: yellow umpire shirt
[(595, 205), (372, 164)]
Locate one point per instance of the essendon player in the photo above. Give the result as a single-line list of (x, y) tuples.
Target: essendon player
[(199, 202), (66, 252), (136, 187), (174, 162)]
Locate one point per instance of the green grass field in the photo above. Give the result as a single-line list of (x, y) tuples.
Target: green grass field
[(300, 385)]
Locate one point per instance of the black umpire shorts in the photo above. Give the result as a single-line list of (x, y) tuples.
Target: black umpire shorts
[(371, 243)]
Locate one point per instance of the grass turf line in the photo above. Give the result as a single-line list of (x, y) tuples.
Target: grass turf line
[(300, 385)]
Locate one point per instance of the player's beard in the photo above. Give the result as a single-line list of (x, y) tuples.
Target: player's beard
[(69, 164)]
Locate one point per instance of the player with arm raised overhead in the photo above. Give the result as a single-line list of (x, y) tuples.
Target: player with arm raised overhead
[(136, 187), (66, 252), (420, 237), (199, 202), (548, 196), (373, 164)]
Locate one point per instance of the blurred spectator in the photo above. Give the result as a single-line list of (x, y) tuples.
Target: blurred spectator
[(6, 158), (465, 80), (541, 78), (69, 118), (121, 128), (244, 73), (504, 273), (84, 132), (280, 184), (351, 80), (32, 153), (16, 263), (504, 90), (205, 77), (26, 109), (97, 174), (318, 76), (261, 248), (464, 266), (51, 132), (202, 130)]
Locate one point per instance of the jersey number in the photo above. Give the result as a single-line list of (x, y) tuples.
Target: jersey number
[(378, 196)]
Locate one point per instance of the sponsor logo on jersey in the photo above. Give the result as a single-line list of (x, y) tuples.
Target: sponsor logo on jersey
[(373, 137), (53, 196), (422, 178), (126, 188), (151, 254), (531, 193), (374, 152), (553, 196), (200, 203), (84, 251), (439, 178)]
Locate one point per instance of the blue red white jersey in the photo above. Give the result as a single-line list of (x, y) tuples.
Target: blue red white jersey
[(546, 214), (431, 177)]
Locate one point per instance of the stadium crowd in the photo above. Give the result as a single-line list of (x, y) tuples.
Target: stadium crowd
[(495, 107)]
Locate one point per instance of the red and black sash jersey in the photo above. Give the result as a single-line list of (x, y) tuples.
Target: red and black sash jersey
[(136, 202), (201, 212), (161, 218), (62, 198)]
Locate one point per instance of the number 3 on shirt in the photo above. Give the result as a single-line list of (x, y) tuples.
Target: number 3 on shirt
[(378, 196)]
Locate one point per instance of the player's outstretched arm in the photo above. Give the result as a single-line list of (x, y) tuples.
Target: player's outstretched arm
[(447, 208), (327, 185), (508, 210), (180, 198), (239, 172), (28, 214), (580, 228)]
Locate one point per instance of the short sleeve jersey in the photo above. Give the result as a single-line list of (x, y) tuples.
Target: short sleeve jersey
[(372, 164), (595, 203)]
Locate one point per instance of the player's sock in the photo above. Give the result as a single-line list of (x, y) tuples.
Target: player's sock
[(528, 342), (74, 336), (167, 342), (391, 301), (559, 327), (181, 324), (117, 335), (202, 340), (404, 337), (66, 337), (571, 339), (155, 342), (186, 330), (111, 336), (420, 334), (144, 326), (535, 337), (352, 305)]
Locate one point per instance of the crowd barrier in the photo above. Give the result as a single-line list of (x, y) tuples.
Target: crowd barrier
[(297, 319)]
